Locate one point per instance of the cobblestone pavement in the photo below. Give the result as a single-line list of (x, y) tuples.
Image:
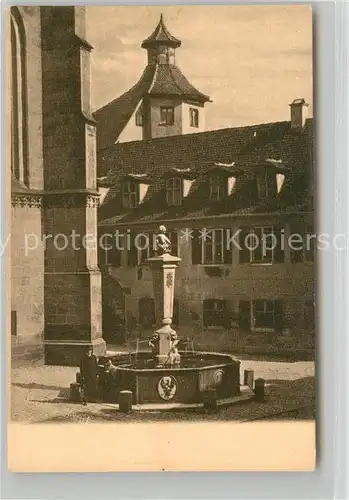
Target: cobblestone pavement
[(40, 394)]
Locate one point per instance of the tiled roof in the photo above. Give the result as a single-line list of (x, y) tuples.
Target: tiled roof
[(156, 80), (114, 116), (248, 148), (164, 217), (170, 81), (161, 35), (159, 80)]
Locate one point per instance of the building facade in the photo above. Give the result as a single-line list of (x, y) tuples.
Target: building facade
[(210, 189), (162, 103), (220, 194)]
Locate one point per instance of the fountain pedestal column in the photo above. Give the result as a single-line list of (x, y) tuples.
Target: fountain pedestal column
[(163, 268)]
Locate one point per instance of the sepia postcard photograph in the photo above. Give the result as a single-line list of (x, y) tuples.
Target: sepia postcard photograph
[(161, 245)]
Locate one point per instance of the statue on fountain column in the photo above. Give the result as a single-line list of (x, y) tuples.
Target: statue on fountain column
[(175, 357), (154, 343), (163, 242)]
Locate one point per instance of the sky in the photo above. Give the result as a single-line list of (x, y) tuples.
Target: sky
[(251, 60)]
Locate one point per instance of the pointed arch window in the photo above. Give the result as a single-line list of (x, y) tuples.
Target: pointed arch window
[(19, 145)]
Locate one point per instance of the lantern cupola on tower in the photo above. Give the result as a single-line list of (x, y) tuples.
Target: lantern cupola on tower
[(161, 45), (162, 103)]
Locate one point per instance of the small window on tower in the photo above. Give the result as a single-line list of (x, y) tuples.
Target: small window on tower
[(194, 117), (139, 118), (166, 116)]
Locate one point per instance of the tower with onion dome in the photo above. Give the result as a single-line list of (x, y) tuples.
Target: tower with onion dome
[(162, 103)]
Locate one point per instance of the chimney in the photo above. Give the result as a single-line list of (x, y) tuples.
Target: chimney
[(299, 111)]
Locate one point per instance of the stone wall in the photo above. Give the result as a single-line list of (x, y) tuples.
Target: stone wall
[(33, 83), (27, 268), (27, 272)]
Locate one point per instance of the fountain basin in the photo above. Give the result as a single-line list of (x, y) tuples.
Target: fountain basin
[(186, 384)]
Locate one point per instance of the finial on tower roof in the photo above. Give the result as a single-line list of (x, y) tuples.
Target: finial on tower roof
[(161, 35)]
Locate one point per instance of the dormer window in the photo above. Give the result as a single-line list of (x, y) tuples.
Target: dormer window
[(139, 118), (194, 117), (134, 189), (166, 116), (218, 187), (130, 194), (174, 191)]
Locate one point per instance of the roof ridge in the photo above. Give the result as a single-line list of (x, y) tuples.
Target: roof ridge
[(173, 78), (197, 134), (154, 78)]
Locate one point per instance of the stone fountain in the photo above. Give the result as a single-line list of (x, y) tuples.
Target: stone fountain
[(167, 377), (170, 378), (163, 268)]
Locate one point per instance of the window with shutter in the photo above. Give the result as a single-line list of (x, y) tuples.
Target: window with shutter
[(213, 248), (173, 236), (244, 252), (261, 245), (244, 314), (146, 246), (279, 251), (214, 313), (302, 244), (267, 315), (297, 242), (278, 315), (310, 243), (132, 252), (227, 247), (196, 247), (114, 257), (175, 317)]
